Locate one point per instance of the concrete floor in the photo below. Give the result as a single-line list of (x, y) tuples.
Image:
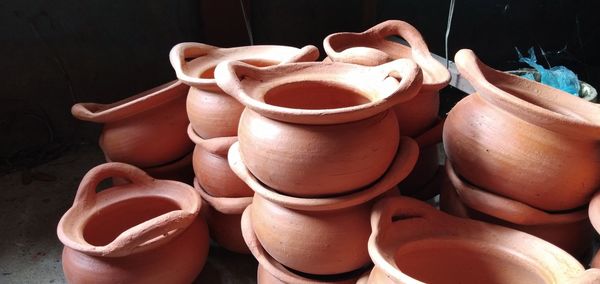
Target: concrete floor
[(31, 206)]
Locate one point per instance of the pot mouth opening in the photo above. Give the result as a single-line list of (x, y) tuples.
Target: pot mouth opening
[(109, 222), (315, 95), (467, 261), (210, 72)]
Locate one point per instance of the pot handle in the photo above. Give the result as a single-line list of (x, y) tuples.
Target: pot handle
[(403, 80), (396, 209), (153, 231), (305, 54), (178, 55)]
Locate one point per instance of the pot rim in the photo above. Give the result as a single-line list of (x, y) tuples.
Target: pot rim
[(225, 205), (392, 217), (206, 57), (217, 145), (399, 169), (357, 45), (142, 102), (383, 86), (141, 237), (505, 208)]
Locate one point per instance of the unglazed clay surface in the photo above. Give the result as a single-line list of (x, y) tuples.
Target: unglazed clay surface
[(155, 115), (523, 140)]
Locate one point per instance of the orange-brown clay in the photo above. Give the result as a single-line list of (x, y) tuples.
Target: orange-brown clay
[(223, 215), (316, 129), (178, 170), (146, 130), (446, 249), (146, 231), (211, 112), (524, 140), (321, 236), (594, 215), (569, 230), (372, 47)]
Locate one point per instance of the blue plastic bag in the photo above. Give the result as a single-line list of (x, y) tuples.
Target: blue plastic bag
[(559, 77)]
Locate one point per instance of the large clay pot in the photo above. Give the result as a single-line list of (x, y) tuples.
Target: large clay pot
[(305, 123), (424, 181), (145, 130), (211, 167), (413, 242), (319, 235), (571, 230), (223, 215), (211, 112), (142, 232), (594, 215), (524, 140), (178, 170), (372, 47), (272, 272)]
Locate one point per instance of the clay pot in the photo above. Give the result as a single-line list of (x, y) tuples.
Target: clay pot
[(211, 112), (571, 230), (448, 249), (523, 140), (272, 272), (142, 232), (145, 130), (320, 121), (372, 47), (179, 170), (424, 181), (211, 167), (223, 216), (311, 235), (594, 215)]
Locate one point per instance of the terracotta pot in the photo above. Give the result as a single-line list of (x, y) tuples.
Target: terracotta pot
[(272, 272), (142, 232), (213, 113), (145, 130), (524, 140), (320, 121), (372, 47), (594, 215), (211, 167), (179, 170), (311, 234), (448, 249), (423, 182), (569, 230), (223, 215)]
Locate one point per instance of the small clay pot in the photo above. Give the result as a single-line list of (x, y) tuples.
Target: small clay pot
[(211, 112), (272, 272), (320, 121), (179, 170), (523, 140), (424, 181), (146, 130), (571, 230), (446, 249), (311, 235), (372, 47), (594, 215), (223, 216), (211, 167), (142, 232)]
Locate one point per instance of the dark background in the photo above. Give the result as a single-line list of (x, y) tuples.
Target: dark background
[(56, 53)]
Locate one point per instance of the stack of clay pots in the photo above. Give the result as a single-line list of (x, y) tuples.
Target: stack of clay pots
[(418, 117), (317, 143), (146, 130), (214, 118), (523, 155)]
